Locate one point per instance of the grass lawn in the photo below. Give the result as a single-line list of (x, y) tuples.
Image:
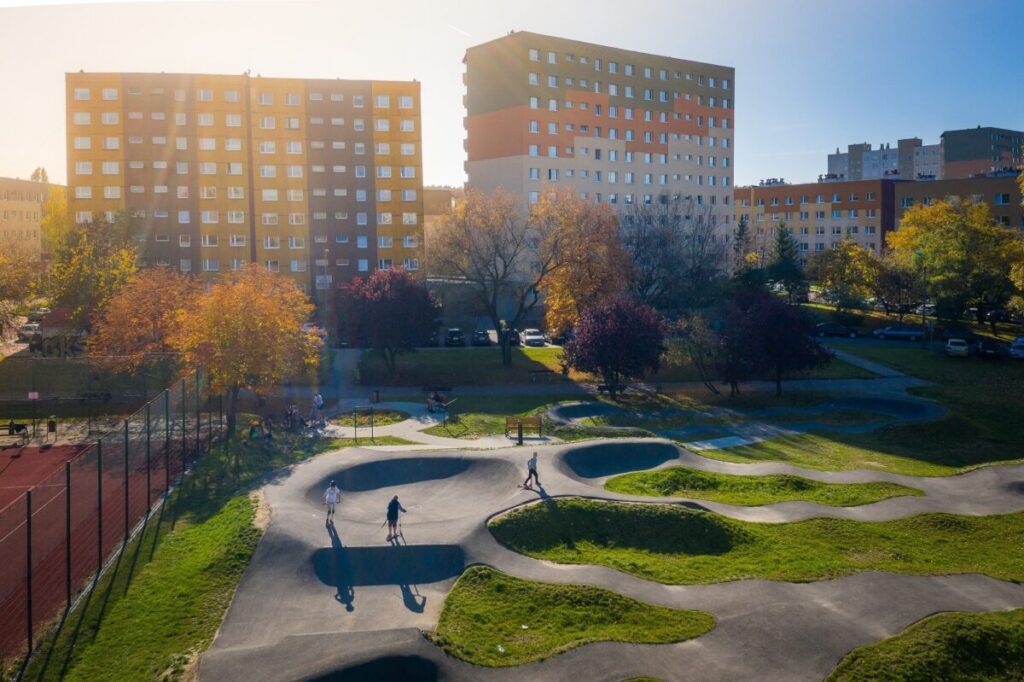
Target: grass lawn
[(531, 621), (675, 545), (982, 425), (162, 603), (383, 417), (458, 367), (477, 416), (948, 646), (751, 490), (875, 319), (836, 369)]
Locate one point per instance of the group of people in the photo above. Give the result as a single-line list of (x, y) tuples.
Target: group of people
[(294, 421), (332, 496)]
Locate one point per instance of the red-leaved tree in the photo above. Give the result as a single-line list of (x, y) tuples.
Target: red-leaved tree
[(619, 339), (391, 311)]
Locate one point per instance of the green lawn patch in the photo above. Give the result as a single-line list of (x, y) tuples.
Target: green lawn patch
[(531, 621), (675, 545), (751, 490), (836, 369), (458, 367), (365, 441), (163, 600), (384, 417), (475, 416), (948, 646)]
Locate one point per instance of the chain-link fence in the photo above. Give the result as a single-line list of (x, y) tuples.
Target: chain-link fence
[(56, 537)]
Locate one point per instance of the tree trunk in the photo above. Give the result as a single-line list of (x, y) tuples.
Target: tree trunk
[(232, 412), (506, 349), (778, 382)]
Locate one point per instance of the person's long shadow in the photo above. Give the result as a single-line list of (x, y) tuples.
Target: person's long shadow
[(345, 592)]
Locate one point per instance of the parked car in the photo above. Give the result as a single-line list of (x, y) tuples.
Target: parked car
[(533, 337), (997, 316), (908, 332), (37, 314), (989, 350), (480, 338), (26, 331), (834, 329), (960, 333), (513, 337), (957, 348), (1017, 348), (454, 337), (432, 341), (925, 309), (560, 339)]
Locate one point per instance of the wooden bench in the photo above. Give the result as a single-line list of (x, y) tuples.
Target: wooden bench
[(512, 424), (538, 374)]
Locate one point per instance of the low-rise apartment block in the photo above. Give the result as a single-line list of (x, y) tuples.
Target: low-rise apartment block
[(21, 214), (319, 179), (999, 190), (618, 126)]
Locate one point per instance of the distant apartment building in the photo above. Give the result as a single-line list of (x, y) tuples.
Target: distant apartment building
[(975, 151), (619, 127), (908, 160), (959, 154), (438, 203), (820, 214), (999, 190), (21, 214), (318, 179)]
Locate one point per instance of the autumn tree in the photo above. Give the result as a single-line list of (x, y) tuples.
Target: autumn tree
[(592, 262), (785, 267), (963, 255), (677, 263), (19, 274), (246, 332), (89, 262), (781, 340), (845, 273), (895, 284), (488, 242), (391, 311), (618, 339), (133, 331)]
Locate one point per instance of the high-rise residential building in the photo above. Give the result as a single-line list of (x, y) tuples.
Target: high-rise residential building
[(909, 160), (999, 190), (618, 126), (21, 213), (319, 179), (820, 214), (978, 151)]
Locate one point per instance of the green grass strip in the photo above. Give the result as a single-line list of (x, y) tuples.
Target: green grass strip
[(487, 609), (675, 545), (751, 490), (950, 646)]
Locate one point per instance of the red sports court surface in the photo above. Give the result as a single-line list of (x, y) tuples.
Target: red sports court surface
[(23, 467)]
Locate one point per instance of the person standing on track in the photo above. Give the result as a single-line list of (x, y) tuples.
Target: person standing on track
[(331, 497), (531, 468), (394, 506)]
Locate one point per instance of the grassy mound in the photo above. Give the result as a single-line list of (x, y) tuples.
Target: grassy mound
[(383, 417), (949, 646), (751, 490), (487, 609), (675, 545)]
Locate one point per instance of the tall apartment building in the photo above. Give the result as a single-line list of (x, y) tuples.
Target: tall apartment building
[(617, 126), (999, 190), (820, 214), (974, 151), (319, 179), (21, 213), (910, 159)]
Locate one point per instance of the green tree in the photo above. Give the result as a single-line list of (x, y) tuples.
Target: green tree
[(963, 255), (786, 268), (894, 284), (743, 257), (39, 175), (845, 273)]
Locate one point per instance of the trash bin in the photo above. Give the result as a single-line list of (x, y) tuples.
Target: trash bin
[(51, 425), (376, 396)]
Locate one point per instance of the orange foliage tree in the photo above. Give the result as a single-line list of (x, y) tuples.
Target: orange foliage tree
[(593, 265), (246, 332), (133, 329)]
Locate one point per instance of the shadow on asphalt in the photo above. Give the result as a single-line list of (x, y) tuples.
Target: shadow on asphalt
[(606, 459), (385, 669), (393, 472)]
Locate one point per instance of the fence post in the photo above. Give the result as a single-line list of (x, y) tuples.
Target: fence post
[(126, 477), (220, 412), (167, 441), (28, 564), (99, 502), (149, 485), (209, 427), (199, 421), (67, 530), (184, 425)]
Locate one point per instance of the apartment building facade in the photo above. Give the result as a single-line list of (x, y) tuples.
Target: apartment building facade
[(979, 151), (619, 127), (1000, 191), (908, 160), (820, 214), (21, 215), (318, 179)]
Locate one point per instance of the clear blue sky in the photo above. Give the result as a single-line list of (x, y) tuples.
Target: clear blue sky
[(810, 74)]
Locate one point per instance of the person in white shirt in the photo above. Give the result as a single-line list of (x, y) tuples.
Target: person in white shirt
[(531, 468), (331, 497)]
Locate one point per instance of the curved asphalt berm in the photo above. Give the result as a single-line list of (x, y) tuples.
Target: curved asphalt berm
[(342, 604)]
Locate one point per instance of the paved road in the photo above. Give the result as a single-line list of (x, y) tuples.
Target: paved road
[(319, 601)]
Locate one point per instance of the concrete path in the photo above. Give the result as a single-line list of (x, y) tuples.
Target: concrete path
[(340, 601)]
